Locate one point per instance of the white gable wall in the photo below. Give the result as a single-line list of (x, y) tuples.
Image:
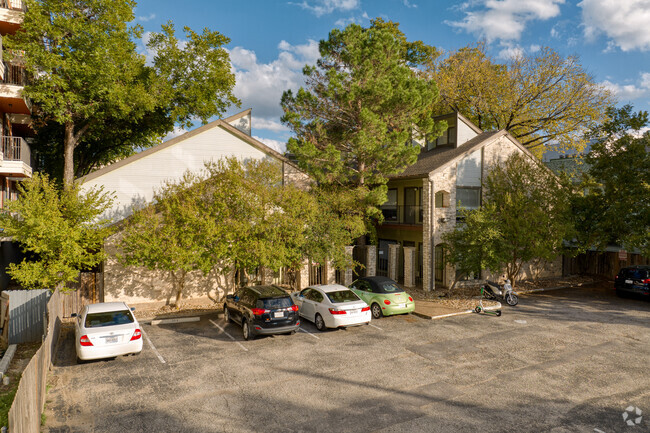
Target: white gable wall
[(134, 183), (464, 131)]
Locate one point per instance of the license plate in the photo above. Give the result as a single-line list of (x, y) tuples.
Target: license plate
[(280, 314), (401, 305), (354, 311), (110, 340), (629, 282)]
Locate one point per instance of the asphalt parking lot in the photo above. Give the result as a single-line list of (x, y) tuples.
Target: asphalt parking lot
[(562, 361)]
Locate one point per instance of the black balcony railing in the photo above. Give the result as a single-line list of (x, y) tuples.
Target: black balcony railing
[(15, 74), (402, 214)]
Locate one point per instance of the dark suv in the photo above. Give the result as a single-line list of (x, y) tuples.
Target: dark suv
[(262, 310), (633, 279)]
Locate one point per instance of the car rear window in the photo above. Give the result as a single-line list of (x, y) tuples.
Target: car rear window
[(109, 318), (273, 303), (637, 274), (341, 296), (388, 287)]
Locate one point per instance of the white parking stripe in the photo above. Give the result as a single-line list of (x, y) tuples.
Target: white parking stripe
[(231, 337), (146, 337), (375, 326), (307, 332)]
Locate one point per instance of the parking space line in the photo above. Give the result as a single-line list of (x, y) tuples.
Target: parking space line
[(146, 337), (307, 332), (375, 326), (225, 332)]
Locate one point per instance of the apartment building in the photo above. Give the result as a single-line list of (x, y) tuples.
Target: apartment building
[(15, 109)]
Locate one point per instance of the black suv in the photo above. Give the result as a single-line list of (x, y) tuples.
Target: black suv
[(633, 279), (262, 310)]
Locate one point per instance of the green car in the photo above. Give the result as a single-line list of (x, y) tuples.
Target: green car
[(383, 295)]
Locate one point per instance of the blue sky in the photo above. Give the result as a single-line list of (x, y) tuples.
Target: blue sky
[(271, 40)]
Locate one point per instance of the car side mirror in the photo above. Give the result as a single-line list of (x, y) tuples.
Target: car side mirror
[(132, 308)]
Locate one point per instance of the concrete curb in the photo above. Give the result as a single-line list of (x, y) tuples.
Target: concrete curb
[(6, 360), (170, 320), (197, 316), (460, 313)]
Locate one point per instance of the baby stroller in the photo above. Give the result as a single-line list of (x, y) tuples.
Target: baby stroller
[(493, 290)]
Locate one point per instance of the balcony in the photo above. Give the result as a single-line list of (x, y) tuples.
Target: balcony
[(16, 157), (11, 15), (15, 77), (399, 214)]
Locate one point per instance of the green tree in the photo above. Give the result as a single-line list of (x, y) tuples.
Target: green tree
[(59, 230), (543, 99), (87, 77), (234, 216), (525, 217), (363, 103), (616, 208)]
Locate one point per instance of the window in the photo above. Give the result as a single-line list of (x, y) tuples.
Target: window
[(341, 296), (442, 199), (109, 318), (389, 209), (468, 197)]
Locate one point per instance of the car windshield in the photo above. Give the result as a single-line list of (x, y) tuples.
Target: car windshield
[(272, 303), (389, 287), (341, 296), (108, 318)]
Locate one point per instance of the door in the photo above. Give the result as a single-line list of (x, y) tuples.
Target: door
[(410, 208), (439, 260)]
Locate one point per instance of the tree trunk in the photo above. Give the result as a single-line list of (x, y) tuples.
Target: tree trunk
[(69, 143)]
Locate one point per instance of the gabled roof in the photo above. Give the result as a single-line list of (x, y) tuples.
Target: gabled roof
[(431, 160), (220, 123)]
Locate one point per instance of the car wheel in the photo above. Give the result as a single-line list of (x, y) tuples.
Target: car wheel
[(512, 299), (376, 311), (498, 313), (246, 330), (226, 315), (477, 309), (319, 322)]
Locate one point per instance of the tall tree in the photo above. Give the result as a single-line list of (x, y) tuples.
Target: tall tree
[(524, 217), (616, 207), (88, 78), (59, 230), (543, 99), (363, 103)]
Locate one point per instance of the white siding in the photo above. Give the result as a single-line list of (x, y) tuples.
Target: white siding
[(134, 183), (469, 170), (465, 133)]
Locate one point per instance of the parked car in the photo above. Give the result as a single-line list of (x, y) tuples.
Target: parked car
[(332, 306), (633, 280), (262, 310), (106, 330), (383, 295)]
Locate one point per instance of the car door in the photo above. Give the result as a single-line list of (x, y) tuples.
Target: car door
[(235, 305), (363, 290), (307, 309), (317, 301), (299, 299)]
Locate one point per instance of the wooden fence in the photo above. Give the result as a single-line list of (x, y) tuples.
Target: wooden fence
[(89, 289), (25, 412), (604, 264), (25, 309)]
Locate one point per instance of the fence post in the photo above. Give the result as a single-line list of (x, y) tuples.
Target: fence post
[(371, 260), (409, 266), (393, 261), (329, 273), (347, 279)]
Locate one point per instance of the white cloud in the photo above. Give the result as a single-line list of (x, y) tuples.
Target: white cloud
[(511, 51), (628, 92), (408, 4), (260, 85), (146, 18), (322, 7), (624, 22), (504, 19), (276, 145)]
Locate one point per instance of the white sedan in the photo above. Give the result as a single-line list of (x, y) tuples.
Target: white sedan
[(106, 330), (331, 306)]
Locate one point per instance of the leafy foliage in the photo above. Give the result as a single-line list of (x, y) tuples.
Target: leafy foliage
[(616, 209), (60, 231), (363, 102), (89, 81), (524, 217), (543, 99), (235, 216)]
